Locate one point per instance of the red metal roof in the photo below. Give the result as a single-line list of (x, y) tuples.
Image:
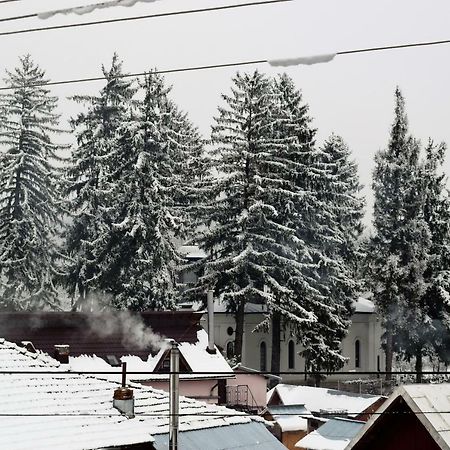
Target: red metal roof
[(95, 333)]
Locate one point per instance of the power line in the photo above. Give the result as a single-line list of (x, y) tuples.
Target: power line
[(214, 414), (225, 65), (9, 1), (127, 19), (266, 372)]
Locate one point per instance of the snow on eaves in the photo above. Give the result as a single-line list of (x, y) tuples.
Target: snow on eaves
[(195, 354), (81, 10), (59, 409)]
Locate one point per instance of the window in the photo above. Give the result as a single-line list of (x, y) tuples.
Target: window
[(291, 355), (230, 350), (357, 354), (263, 357)]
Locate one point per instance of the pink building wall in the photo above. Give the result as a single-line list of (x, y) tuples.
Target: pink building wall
[(205, 390), (256, 383)]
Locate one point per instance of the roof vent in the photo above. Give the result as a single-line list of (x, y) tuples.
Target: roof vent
[(61, 353)]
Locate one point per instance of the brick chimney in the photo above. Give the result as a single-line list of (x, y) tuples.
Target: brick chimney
[(123, 398), (61, 353)]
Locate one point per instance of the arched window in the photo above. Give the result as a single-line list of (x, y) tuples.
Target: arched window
[(291, 355), (230, 350), (357, 354), (263, 357)]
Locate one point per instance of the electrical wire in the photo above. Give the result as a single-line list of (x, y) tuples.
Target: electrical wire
[(225, 65), (264, 372), (9, 1), (127, 19)]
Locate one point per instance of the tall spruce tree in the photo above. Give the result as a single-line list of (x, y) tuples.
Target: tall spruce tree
[(400, 245), (155, 167), (89, 182), (30, 211), (253, 252), (434, 331), (332, 229)]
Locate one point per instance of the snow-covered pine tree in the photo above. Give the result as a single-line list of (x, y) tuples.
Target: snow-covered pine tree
[(332, 229), (434, 331), (155, 167), (30, 210), (399, 247), (89, 181), (253, 254)]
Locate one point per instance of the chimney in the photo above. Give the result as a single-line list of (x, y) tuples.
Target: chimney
[(123, 398), (174, 396), (210, 298), (61, 353)]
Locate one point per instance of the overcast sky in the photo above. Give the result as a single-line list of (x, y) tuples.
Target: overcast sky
[(351, 96)]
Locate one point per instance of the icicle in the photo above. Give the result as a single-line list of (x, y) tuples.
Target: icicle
[(306, 60), (81, 10)]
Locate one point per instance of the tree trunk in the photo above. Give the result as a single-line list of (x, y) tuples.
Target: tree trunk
[(389, 352), (419, 365), (239, 332), (276, 346)]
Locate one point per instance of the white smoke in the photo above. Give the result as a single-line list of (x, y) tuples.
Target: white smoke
[(105, 322)]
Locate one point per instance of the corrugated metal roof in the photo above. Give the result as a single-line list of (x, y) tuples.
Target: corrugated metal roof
[(333, 435), (248, 436), (340, 428), (288, 410)]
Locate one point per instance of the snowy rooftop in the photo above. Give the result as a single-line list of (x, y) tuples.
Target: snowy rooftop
[(322, 399), (430, 402), (58, 409), (335, 434), (290, 418), (191, 252), (195, 355), (363, 305)]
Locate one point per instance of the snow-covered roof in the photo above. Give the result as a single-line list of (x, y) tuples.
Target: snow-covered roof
[(290, 418), (191, 252), (240, 368), (195, 354), (319, 400), (335, 434), (363, 305), (430, 402), (59, 409)]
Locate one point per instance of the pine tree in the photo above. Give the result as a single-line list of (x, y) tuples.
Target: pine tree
[(89, 181), (399, 247), (435, 303), (333, 229), (154, 170), (253, 250), (30, 211)]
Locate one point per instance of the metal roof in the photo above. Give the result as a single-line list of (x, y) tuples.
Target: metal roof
[(288, 410), (248, 436), (335, 434)]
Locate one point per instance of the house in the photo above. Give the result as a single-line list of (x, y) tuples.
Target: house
[(248, 390), (362, 345), (100, 341), (326, 403), (299, 410), (290, 423), (414, 417), (335, 434), (45, 407)]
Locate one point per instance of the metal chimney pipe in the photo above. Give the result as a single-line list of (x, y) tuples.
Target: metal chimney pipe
[(123, 398), (210, 300), (174, 396)]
